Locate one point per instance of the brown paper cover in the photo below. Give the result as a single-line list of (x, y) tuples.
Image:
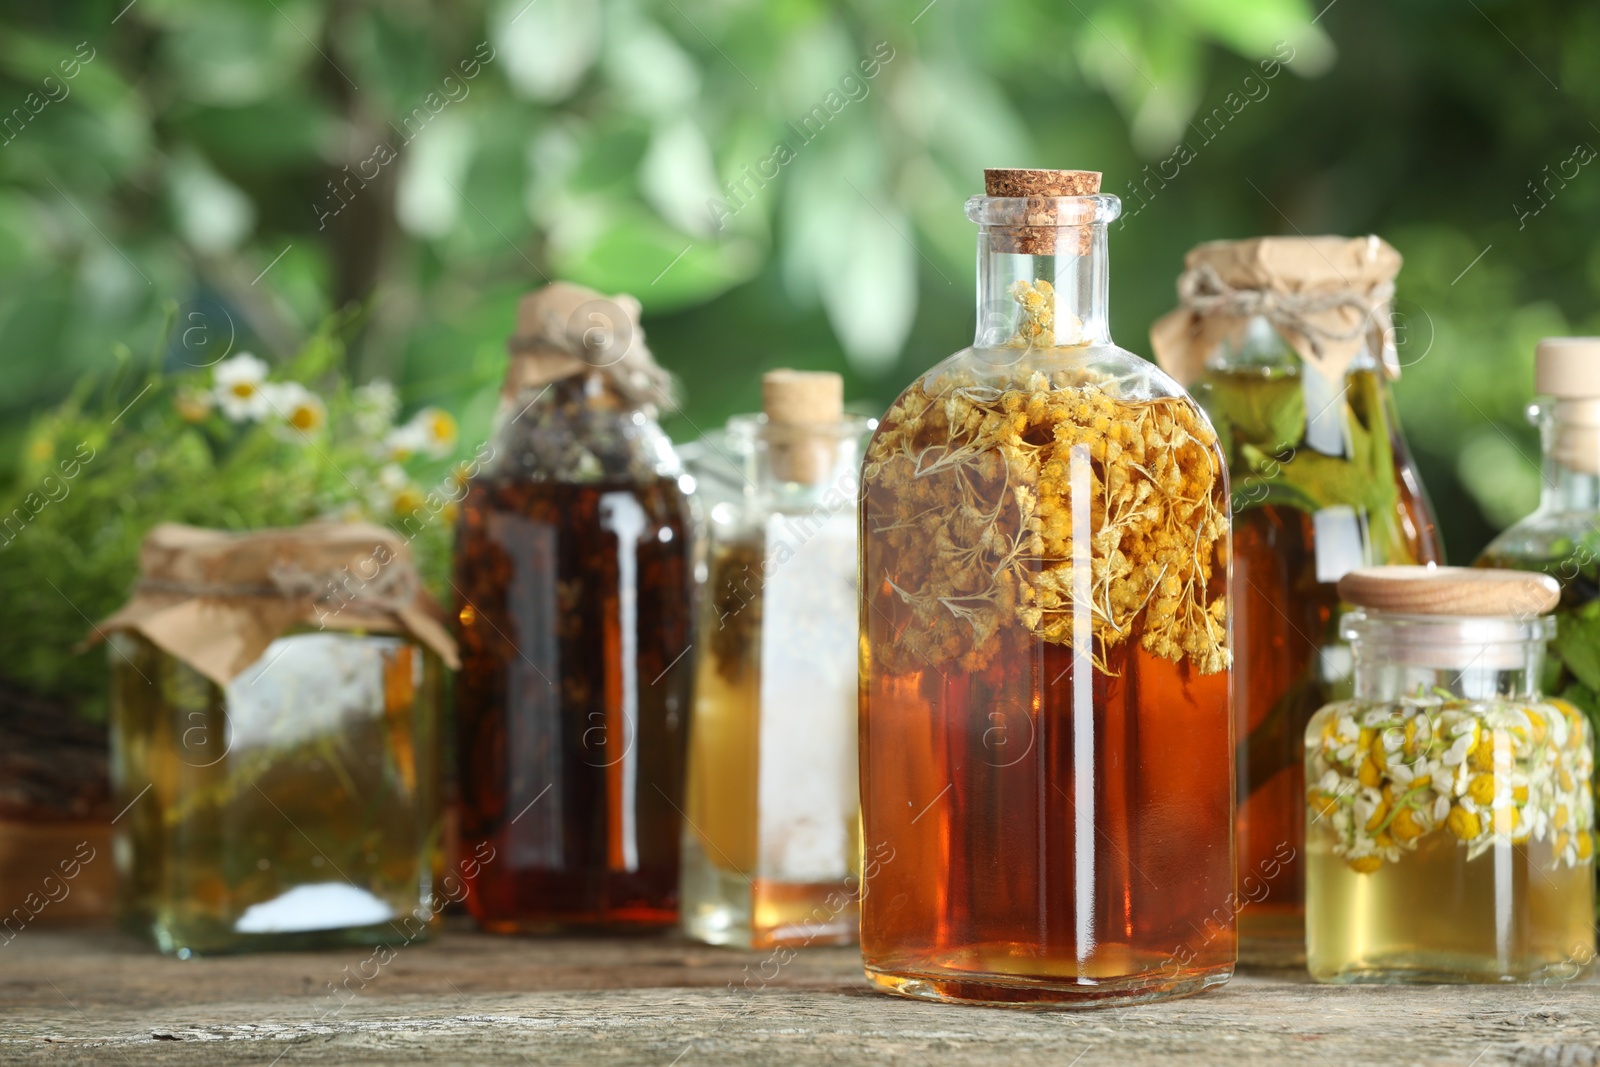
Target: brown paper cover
[(565, 329), (1326, 297), (215, 600)]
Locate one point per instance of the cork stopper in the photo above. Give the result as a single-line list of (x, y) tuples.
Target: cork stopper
[(1567, 368), (1024, 181), (1041, 234), (803, 410), (1477, 592)]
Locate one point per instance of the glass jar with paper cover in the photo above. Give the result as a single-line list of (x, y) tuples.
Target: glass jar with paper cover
[(574, 582), (274, 739), (771, 843), (1562, 538), (1448, 812), (1046, 750), (1286, 342)]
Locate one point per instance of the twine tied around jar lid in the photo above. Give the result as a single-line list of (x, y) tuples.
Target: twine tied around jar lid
[(564, 330), (216, 600), (1325, 296)]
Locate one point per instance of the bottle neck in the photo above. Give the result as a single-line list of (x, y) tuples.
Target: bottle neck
[(1571, 433), (1053, 294), (1401, 656), (1043, 270)]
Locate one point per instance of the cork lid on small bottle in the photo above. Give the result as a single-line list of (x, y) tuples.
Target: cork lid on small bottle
[(1039, 232), (1478, 592), (804, 410), (1567, 368)]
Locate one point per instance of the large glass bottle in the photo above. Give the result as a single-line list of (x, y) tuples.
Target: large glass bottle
[(1562, 537), (573, 577), (771, 845), (1046, 746), (1322, 484), (1449, 815)]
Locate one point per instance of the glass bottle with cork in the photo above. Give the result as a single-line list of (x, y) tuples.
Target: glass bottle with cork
[(1286, 342), (1562, 537), (573, 576), (771, 847), (274, 739), (1448, 815), (1046, 748)]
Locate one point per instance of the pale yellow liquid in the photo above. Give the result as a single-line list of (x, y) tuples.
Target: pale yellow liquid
[(1435, 916)]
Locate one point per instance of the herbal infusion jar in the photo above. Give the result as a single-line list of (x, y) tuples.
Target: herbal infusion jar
[(274, 740), (1046, 745), (1286, 344), (574, 578), (1448, 809)]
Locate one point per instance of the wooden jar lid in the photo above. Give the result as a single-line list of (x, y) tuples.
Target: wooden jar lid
[(1466, 591)]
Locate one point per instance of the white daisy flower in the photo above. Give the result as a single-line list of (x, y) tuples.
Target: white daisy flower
[(237, 383), (436, 430), (299, 408), (403, 442)]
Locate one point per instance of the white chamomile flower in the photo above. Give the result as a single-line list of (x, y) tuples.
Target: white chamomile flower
[(436, 430), (300, 409), (403, 442), (396, 493), (238, 383)]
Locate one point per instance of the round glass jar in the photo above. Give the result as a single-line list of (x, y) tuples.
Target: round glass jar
[(1448, 810)]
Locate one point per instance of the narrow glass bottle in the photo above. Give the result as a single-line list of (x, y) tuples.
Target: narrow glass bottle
[(1283, 341), (1046, 747), (1448, 815), (1562, 537), (573, 576), (771, 846)]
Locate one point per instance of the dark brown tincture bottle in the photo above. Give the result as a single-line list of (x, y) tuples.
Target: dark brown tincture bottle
[(573, 577)]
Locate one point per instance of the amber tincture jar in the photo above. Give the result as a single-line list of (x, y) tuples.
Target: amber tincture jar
[(1448, 809), (1286, 344), (1046, 747), (573, 577)]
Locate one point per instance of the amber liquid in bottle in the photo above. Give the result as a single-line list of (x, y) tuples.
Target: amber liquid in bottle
[(989, 870), (1283, 618), (572, 702)]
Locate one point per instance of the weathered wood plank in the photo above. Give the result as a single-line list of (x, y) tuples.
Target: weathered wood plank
[(81, 997)]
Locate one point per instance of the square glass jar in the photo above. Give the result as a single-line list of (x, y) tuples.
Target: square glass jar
[(295, 807)]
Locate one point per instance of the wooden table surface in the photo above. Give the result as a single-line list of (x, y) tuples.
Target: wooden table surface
[(83, 996)]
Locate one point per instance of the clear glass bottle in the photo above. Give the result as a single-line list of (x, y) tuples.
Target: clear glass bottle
[(1562, 537), (293, 803), (1322, 483), (574, 579), (1448, 815), (1046, 746), (771, 842)]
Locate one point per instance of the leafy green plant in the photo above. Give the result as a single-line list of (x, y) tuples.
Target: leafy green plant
[(231, 446)]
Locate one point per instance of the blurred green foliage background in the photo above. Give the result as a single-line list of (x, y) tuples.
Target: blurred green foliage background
[(252, 167)]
